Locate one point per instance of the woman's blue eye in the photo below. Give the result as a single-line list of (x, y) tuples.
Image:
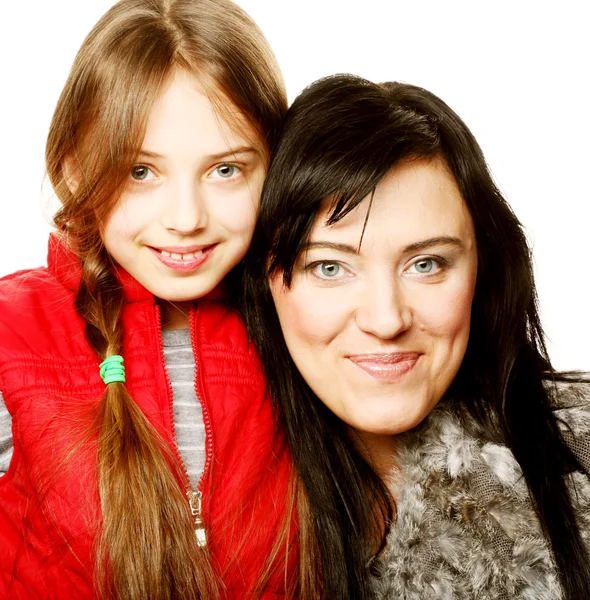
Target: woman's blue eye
[(226, 171), (425, 266), (142, 173), (329, 270)]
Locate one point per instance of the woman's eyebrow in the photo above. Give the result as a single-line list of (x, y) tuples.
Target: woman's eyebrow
[(422, 245), (435, 241), (332, 246)]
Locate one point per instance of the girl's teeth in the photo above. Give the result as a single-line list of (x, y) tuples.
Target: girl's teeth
[(176, 256)]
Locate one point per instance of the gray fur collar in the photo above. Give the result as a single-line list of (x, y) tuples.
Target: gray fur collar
[(465, 527)]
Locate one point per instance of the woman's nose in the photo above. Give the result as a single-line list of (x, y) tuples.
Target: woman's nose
[(382, 310)]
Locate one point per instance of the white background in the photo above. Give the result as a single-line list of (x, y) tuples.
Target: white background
[(516, 71)]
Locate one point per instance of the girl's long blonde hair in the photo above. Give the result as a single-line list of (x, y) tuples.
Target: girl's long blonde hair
[(146, 547)]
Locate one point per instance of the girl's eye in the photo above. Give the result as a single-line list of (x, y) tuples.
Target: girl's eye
[(142, 173), (225, 171), (328, 270)]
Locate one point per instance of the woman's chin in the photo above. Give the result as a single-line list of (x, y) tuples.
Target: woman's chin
[(389, 421)]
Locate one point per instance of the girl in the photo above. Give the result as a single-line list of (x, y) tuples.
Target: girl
[(131, 477), (390, 291)]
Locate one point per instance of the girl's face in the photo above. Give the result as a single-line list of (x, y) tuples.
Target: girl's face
[(188, 212), (379, 332)]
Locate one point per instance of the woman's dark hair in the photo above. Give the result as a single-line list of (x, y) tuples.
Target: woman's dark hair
[(341, 137)]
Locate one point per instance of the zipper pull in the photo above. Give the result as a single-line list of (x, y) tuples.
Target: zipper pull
[(194, 499)]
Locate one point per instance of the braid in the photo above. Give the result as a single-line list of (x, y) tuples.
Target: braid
[(147, 547)]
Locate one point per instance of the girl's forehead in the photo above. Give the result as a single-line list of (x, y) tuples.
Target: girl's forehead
[(188, 117)]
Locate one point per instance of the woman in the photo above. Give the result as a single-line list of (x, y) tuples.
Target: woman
[(144, 447), (413, 381)]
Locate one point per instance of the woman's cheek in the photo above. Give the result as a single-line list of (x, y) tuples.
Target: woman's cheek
[(446, 310), (309, 316)]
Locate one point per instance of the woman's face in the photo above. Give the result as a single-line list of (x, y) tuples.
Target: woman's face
[(379, 331), (187, 215)]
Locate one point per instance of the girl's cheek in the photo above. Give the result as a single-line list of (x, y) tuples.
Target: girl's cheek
[(235, 212), (132, 214), (242, 218)]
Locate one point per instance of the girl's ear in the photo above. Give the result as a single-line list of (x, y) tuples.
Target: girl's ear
[(71, 171)]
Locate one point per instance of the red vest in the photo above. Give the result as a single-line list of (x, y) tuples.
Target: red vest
[(49, 378)]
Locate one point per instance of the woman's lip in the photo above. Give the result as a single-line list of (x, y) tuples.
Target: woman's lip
[(184, 265), (385, 358), (386, 367)]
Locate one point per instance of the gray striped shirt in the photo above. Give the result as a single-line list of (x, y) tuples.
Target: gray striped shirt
[(5, 438), (188, 415)]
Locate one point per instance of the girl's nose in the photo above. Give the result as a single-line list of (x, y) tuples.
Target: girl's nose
[(186, 211)]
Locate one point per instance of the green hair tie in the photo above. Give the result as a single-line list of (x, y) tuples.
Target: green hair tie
[(112, 369)]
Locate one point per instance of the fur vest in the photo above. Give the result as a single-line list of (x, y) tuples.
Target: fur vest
[(465, 526)]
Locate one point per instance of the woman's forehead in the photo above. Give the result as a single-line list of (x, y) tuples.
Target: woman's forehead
[(417, 199)]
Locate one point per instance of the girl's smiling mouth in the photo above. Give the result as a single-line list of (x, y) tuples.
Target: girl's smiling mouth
[(183, 259)]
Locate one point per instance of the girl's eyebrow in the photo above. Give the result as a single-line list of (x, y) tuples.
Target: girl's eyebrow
[(228, 153), (148, 154), (422, 245), (232, 151)]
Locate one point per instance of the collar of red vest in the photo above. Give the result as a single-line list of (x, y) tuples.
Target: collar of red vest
[(63, 263)]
